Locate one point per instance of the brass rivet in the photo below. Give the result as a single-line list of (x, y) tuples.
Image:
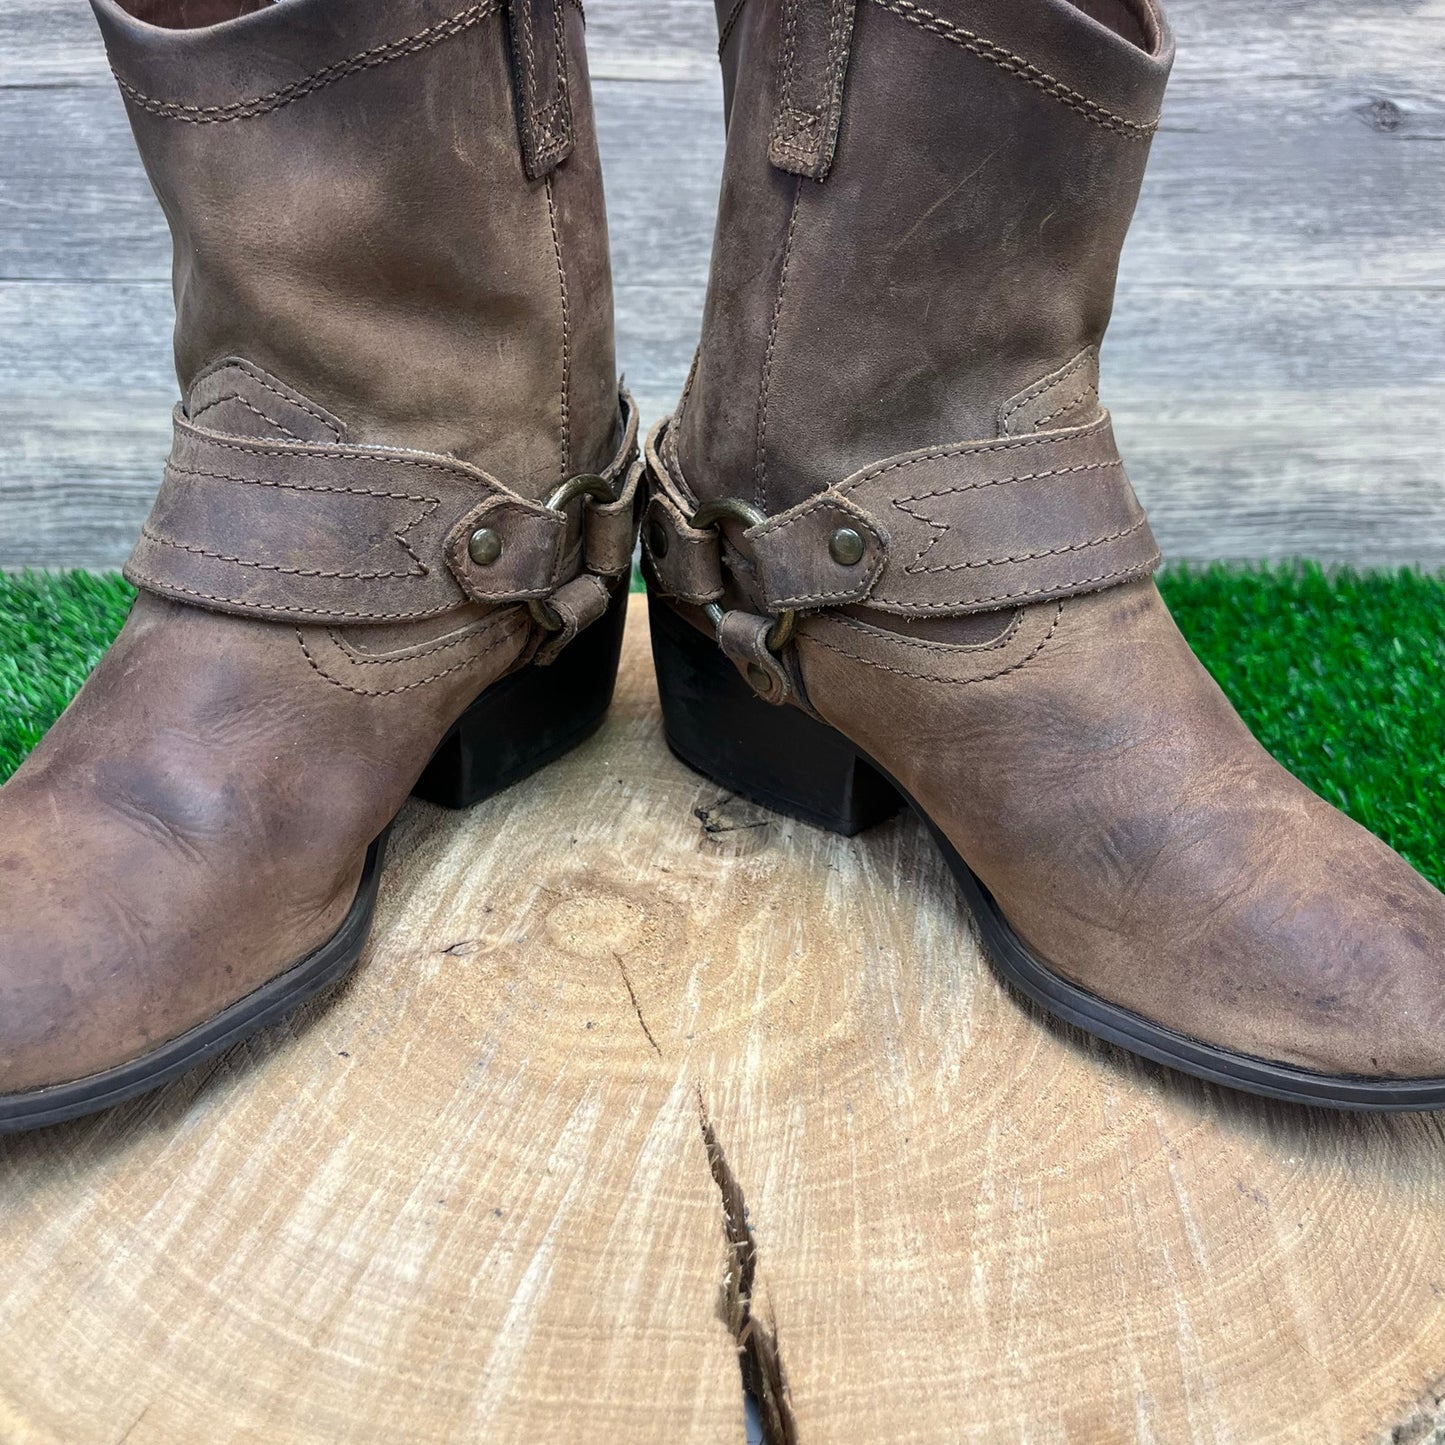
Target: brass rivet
[(846, 547), (760, 677), (656, 538), (485, 547)]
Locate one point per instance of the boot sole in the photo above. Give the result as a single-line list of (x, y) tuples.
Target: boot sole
[(787, 761), (511, 731)]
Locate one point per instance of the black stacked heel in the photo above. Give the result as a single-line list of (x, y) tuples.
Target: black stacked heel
[(528, 719), (778, 757)]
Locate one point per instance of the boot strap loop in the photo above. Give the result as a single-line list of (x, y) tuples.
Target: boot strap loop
[(817, 38), (305, 532), (538, 33)]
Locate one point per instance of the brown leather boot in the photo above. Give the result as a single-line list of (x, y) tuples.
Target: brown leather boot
[(401, 485), (890, 491)]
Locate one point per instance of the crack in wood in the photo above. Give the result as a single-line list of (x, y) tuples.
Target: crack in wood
[(636, 1007), (758, 1354)]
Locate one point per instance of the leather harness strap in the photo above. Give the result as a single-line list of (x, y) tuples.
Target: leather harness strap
[(307, 532), (944, 531)]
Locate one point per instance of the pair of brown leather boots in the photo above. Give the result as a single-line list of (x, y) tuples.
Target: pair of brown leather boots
[(892, 551)]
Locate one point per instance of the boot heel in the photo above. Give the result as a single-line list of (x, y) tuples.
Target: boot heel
[(776, 756), (528, 719)]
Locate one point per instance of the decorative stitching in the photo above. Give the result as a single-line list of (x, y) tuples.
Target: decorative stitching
[(566, 335), (793, 603), (913, 569), (1083, 396), (563, 101), (725, 32), (971, 449), (328, 75), (785, 100), (419, 571), (980, 603), (934, 677), (397, 659), (355, 454), (134, 574), (491, 646), (837, 25), (236, 396), (1006, 60), (261, 378), (302, 486), (523, 11), (760, 463), (1001, 482), (1048, 383), (948, 648)]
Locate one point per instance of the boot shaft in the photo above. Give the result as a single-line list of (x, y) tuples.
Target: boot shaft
[(922, 212), (393, 205)]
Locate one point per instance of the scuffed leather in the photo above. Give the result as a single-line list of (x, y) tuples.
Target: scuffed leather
[(1142, 842), (953, 277), (361, 264)]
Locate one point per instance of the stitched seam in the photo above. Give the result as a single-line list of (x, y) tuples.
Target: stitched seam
[(950, 649), (248, 605), (858, 592), (562, 103), (340, 456), (1083, 396), (481, 652), (1047, 384), (966, 449), (1002, 482), (160, 541), (725, 33), (566, 334), (833, 100), (296, 400), (524, 20), (949, 681), (760, 464), (785, 100), (328, 75), (302, 486), (915, 570), (974, 603), (236, 396), (1007, 61), (356, 659)]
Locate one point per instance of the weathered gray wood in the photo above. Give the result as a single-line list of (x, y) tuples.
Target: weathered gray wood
[(1278, 358)]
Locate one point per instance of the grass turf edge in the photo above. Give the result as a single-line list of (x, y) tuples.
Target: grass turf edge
[(1340, 674)]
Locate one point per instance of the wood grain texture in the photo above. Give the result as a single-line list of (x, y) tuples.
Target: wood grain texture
[(1277, 366), (467, 1197)]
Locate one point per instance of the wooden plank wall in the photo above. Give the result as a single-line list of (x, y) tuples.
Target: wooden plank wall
[(1277, 365)]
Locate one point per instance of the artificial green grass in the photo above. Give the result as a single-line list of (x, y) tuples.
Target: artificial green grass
[(53, 628), (1340, 674)]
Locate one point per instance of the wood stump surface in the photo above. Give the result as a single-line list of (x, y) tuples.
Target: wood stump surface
[(623, 1042)]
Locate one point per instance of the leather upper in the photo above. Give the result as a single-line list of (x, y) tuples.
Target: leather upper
[(904, 343), (393, 329)]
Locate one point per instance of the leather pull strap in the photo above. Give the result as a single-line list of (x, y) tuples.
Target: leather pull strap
[(817, 38), (538, 31), (967, 528)]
